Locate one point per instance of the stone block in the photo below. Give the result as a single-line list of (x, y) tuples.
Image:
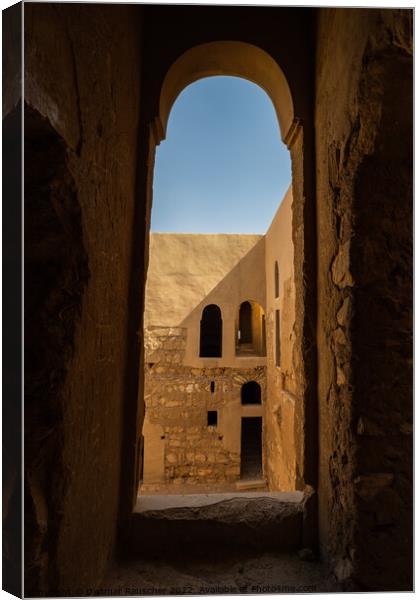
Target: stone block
[(344, 312), (369, 486), (340, 269), (204, 472)]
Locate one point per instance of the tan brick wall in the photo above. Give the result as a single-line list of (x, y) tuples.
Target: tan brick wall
[(177, 400)]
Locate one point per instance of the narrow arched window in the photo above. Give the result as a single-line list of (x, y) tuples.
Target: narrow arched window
[(276, 280), (250, 330), (277, 340), (245, 323), (211, 332), (251, 393)]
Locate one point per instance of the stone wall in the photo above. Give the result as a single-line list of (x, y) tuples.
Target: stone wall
[(224, 270), (82, 95), (364, 201), (177, 399), (221, 269), (283, 432)]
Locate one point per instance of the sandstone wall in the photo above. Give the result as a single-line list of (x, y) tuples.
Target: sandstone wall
[(282, 431), (180, 447), (363, 122), (82, 78), (186, 273), (189, 271)]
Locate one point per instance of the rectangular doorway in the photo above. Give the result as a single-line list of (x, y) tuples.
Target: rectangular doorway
[(251, 448)]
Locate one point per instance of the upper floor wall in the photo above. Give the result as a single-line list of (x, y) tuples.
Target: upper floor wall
[(188, 272)]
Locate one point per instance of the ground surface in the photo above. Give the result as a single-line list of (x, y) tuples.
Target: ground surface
[(219, 573)]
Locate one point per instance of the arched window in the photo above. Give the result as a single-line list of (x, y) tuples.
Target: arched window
[(251, 393), (250, 330), (277, 340), (276, 280), (211, 332), (245, 323)]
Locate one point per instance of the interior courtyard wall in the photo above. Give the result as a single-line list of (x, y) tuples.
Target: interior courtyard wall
[(82, 84), (363, 121), (220, 269), (281, 387)]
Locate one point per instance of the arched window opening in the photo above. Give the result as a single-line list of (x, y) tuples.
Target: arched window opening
[(211, 332), (276, 280), (202, 281), (251, 393), (245, 323), (250, 330)]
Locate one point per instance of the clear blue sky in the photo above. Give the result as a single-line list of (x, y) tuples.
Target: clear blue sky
[(223, 167)]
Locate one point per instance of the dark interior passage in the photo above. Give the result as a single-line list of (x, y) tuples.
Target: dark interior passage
[(251, 448)]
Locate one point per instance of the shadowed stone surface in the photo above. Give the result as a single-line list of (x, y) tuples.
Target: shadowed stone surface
[(159, 502), (237, 522), (223, 573)]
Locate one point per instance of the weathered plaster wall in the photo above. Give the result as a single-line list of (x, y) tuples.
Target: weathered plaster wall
[(363, 125), (282, 434), (82, 78)]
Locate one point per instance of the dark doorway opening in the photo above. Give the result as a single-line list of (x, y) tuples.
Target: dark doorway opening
[(251, 448)]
